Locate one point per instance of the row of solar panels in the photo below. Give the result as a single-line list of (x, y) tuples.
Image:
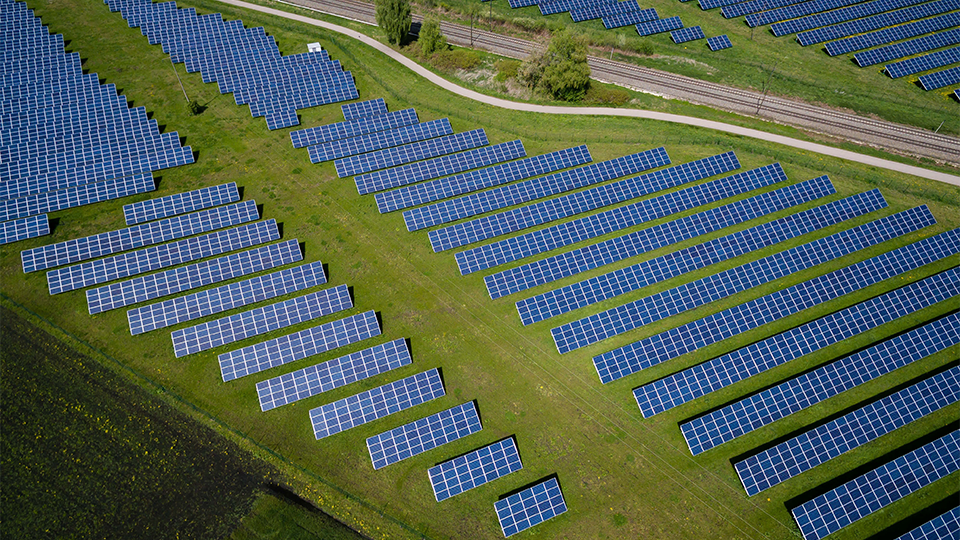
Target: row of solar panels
[(424, 182), (68, 140), (244, 61)]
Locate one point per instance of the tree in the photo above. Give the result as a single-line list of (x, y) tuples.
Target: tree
[(562, 70), (394, 17), (431, 40)]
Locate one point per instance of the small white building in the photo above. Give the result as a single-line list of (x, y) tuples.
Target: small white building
[(314, 47)]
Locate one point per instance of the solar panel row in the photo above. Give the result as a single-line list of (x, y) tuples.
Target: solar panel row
[(597, 11), (755, 411), (616, 20), (360, 109), (623, 247), (621, 319), (946, 526), (24, 228), (377, 403), (597, 197), (756, 358), (299, 345), (895, 33), (538, 188), (939, 79), (353, 128), (875, 22), (530, 507), (184, 278), (319, 378), (925, 62), (794, 10), (52, 201), (180, 203), (162, 256), (261, 320), (424, 434), (907, 48), (391, 157), (340, 148), (552, 7), (684, 35), (479, 467), (823, 443), (477, 180), (658, 26), (878, 488)]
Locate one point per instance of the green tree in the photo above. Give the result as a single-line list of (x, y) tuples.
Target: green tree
[(431, 40), (562, 70), (394, 18)]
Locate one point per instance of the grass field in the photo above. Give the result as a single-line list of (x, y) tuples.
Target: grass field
[(622, 476)]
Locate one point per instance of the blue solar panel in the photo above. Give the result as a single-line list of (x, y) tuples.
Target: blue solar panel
[(719, 42), (774, 306), (353, 128), (299, 345), (153, 286), (583, 201), (872, 491), (424, 434), (923, 63), (821, 444), (797, 12), (522, 3), (617, 20), (684, 35), (282, 119), (551, 7), (147, 234), (537, 188), (340, 148), (180, 203), (399, 155), (756, 358), (867, 24), (610, 221), (231, 296), (477, 180), (896, 33), (331, 374), (659, 25), (597, 11), (257, 321), (52, 201), (621, 281), (377, 403), (946, 526), (907, 48), (352, 111), (472, 470), (530, 507), (162, 256), (442, 166), (23, 228), (956, 94), (940, 79), (755, 411)]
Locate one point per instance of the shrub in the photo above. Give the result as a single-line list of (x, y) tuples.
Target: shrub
[(507, 70), (394, 18), (611, 96), (561, 70), (451, 60), (532, 25), (431, 40)]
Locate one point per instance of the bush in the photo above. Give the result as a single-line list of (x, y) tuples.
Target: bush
[(394, 18), (644, 47), (533, 25), (455, 59), (431, 40), (507, 70), (561, 70), (603, 95)]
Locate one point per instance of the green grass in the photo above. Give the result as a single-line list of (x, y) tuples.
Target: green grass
[(622, 476)]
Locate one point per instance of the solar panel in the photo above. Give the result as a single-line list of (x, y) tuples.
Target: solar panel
[(755, 411), (399, 155), (658, 26), (596, 11), (946, 526), (538, 188), (258, 321), (53, 201), (424, 434), (551, 7), (684, 35), (867, 24), (156, 257), (796, 13), (377, 403), (617, 20), (331, 374), (878, 488), (352, 111), (756, 358), (282, 119), (775, 306), (299, 345), (472, 470), (956, 94), (340, 148), (180, 203), (719, 42), (153, 286), (607, 222), (442, 166), (477, 180), (231, 296), (902, 31), (940, 79), (923, 63), (578, 202), (530, 507), (621, 281), (813, 447), (907, 48), (24, 228), (147, 234), (353, 128), (522, 3)]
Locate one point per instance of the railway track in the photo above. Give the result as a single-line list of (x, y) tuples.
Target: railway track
[(889, 136)]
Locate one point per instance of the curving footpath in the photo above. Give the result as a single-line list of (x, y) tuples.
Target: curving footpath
[(601, 111)]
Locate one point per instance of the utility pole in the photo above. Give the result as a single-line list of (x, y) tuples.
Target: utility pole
[(178, 80), (766, 86)]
